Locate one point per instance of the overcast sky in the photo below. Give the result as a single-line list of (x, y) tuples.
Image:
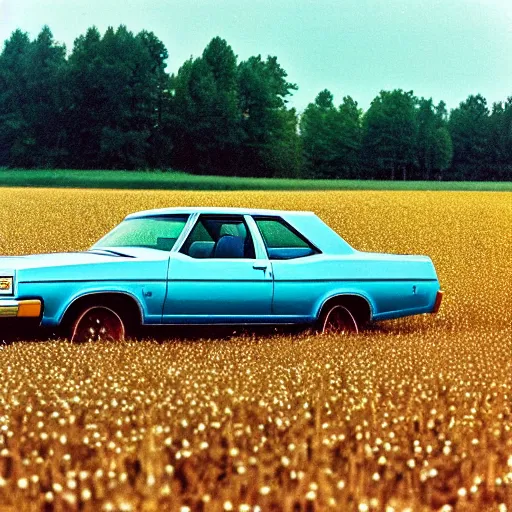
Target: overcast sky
[(445, 49)]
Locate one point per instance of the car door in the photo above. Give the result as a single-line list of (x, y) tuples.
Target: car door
[(220, 274), (293, 260)]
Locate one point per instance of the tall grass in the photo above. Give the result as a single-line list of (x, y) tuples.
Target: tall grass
[(414, 414)]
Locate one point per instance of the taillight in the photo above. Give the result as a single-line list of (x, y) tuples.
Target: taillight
[(437, 303)]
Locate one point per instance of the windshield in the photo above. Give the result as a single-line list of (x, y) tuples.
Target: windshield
[(158, 233)]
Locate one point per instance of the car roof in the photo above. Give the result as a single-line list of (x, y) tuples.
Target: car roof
[(221, 210), (307, 223)]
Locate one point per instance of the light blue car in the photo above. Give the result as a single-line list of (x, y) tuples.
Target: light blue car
[(192, 266)]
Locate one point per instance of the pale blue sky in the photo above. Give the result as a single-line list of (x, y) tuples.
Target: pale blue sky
[(446, 49)]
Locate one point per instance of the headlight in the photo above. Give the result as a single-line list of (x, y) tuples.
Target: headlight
[(6, 286)]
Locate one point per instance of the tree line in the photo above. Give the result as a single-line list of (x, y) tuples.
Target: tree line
[(110, 103)]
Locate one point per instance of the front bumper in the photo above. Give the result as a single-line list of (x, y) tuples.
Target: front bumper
[(20, 308)]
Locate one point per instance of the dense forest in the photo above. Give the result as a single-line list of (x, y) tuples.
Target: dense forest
[(110, 104)]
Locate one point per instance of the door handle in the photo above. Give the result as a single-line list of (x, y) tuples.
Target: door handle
[(259, 267)]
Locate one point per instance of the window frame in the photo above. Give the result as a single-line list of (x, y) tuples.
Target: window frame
[(236, 218), (296, 232)]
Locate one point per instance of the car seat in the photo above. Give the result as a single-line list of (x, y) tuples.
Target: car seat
[(229, 246)]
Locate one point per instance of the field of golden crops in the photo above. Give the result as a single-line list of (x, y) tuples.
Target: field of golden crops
[(414, 414)]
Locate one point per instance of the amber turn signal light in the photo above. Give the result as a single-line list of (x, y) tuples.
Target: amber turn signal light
[(29, 308)]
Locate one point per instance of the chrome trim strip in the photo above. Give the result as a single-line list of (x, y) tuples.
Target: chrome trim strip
[(109, 280)]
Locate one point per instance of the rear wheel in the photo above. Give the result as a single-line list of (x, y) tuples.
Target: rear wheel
[(97, 323), (338, 319)]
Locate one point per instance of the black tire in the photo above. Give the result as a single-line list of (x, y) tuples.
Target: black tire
[(97, 323), (337, 319)]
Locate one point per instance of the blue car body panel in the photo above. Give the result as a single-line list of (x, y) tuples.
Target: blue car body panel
[(380, 279), (225, 287), (170, 287)]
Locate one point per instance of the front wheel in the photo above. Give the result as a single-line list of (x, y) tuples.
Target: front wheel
[(338, 320), (97, 323)]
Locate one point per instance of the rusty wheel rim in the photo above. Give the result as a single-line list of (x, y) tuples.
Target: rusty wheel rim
[(339, 320), (98, 324)]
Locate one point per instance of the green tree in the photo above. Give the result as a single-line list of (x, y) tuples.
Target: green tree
[(88, 111), (119, 87), (319, 136), (159, 101), (331, 137), (207, 120), (13, 125), (389, 134), (434, 146), (35, 100), (442, 153), (269, 128), (500, 139), (352, 134), (469, 128), (47, 99), (283, 157)]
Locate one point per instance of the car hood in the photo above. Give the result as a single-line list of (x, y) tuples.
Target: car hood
[(9, 264)]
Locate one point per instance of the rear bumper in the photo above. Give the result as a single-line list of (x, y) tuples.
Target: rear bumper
[(20, 308), (437, 303)]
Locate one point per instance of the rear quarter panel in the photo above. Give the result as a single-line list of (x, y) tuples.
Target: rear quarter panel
[(392, 285)]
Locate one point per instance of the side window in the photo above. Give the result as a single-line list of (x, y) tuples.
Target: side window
[(219, 237), (282, 241)]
